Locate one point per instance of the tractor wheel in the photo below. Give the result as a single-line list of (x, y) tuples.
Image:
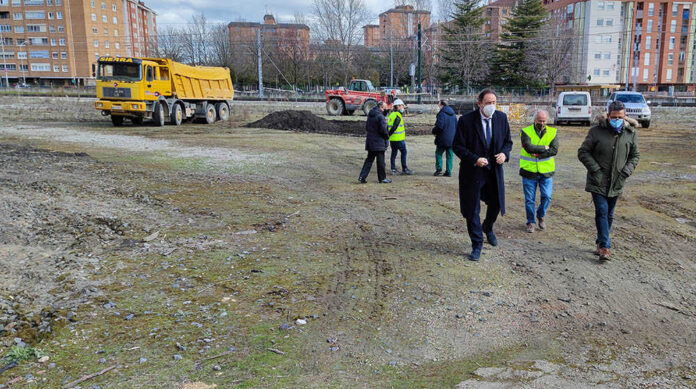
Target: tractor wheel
[(335, 107), (117, 120), (177, 115), (210, 114), (368, 106), (223, 111), (158, 115)]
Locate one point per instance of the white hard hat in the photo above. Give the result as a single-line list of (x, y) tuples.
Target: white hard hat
[(398, 102)]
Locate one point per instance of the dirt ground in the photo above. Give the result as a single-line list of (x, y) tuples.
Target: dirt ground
[(226, 255)]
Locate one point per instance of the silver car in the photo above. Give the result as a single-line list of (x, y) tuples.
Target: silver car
[(636, 106)]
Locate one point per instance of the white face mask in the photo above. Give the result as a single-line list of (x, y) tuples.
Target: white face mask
[(488, 110)]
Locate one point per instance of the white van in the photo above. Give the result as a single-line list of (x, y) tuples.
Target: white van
[(573, 107)]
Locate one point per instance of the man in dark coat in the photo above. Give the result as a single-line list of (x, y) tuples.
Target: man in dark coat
[(483, 143), (376, 141), (610, 154), (445, 127)]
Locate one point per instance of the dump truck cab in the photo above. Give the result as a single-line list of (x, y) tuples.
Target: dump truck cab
[(161, 89)]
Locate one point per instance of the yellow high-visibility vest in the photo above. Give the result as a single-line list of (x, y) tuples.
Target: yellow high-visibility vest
[(530, 162), (400, 132)]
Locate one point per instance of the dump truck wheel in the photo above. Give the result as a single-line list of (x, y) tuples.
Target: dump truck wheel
[(177, 115), (367, 107), (117, 120), (210, 114), (334, 107), (158, 115), (223, 111)]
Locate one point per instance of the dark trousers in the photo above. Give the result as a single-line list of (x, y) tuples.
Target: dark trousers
[(371, 155), (486, 189), (396, 147), (604, 217)]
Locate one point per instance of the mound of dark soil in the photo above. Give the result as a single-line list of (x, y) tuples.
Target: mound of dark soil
[(305, 121)]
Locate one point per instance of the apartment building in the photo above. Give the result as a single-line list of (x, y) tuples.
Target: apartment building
[(396, 23), (285, 36), (647, 44), (57, 42)]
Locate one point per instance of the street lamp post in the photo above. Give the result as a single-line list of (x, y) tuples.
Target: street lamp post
[(24, 72)]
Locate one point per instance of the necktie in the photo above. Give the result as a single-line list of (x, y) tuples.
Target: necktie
[(488, 132)]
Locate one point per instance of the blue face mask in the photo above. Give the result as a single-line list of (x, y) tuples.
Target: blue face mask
[(616, 123), (401, 110)]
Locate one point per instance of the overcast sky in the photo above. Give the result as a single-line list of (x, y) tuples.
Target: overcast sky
[(178, 12)]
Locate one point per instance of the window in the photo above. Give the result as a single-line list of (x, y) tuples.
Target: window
[(600, 22), (669, 75), (61, 28), (651, 9), (106, 44), (91, 3), (600, 5), (648, 42), (646, 59), (118, 45), (103, 5), (650, 25), (35, 15), (33, 2), (96, 43), (598, 55), (645, 73), (19, 29), (9, 66), (22, 55), (36, 28), (94, 17), (94, 30), (18, 16), (671, 43), (610, 22), (23, 67), (63, 55), (675, 9), (65, 68), (673, 26), (113, 7), (38, 54), (5, 28), (52, 28), (670, 59), (54, 42), (104, 19), (164, 73), (607, 55), (59, 15), (38, 41), (610, 5), (61, 41), (115, 20), (149, 74), (605, 72), (598, 39), (56, 68), (596, 72), (606, 38), (106, 31), (115, 32)]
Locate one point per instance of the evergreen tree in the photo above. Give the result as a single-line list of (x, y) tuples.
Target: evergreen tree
[(510, 64), (463, 54)]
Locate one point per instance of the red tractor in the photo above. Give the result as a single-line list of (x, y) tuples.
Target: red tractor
[(359, 95)]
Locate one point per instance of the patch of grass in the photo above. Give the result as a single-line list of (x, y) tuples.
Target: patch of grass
[(19, 354)]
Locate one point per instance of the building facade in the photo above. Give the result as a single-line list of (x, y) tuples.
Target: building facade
[(646, 44), (285, 36), (58, 42), (397, 23)]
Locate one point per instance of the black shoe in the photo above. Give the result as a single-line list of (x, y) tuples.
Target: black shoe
[(385, 181), (447, 174), (362, 180), (437, 172), (475, 253), (492, 239), (395, 172), (407, 172)]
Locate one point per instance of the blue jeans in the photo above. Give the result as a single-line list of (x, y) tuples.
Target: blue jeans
[(604, 217), (395, 147), (545, 190)]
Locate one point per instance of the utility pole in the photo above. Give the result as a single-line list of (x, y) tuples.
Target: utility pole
[(391, 58), (418, 90), (258, 49), (4, 61)]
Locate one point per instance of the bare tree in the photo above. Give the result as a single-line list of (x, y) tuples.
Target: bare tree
[(339, 23), (169, 44), (549, 56), (445, 10), (196, 42), (420, 5), (220, 46)]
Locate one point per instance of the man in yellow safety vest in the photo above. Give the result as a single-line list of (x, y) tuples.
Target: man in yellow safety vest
[(537, 166), (397, 136)]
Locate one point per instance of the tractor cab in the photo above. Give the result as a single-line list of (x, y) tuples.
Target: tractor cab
[(361, 86)]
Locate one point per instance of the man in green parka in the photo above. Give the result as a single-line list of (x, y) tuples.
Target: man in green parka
[(610, 154)]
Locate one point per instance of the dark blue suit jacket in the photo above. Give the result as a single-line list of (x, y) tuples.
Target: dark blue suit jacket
[(470, 145)]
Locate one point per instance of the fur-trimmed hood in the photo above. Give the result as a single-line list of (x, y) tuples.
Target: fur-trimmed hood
[(629, 123)]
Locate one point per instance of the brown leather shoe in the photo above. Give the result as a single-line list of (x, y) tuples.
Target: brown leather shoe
[(596, 252), (604, 254), (542, 224), (530, 227)]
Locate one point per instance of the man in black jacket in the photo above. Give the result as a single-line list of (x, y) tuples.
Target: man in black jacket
[(483, 144), (444, 130), (376, 141)]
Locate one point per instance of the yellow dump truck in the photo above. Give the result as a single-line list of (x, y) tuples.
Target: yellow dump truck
[(162, 90)]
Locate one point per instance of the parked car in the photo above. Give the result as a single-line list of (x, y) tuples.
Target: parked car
[(573, 107), (636, 106)]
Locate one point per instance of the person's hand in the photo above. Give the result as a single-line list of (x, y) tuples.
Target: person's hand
[(481, 162), (500, 158)]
